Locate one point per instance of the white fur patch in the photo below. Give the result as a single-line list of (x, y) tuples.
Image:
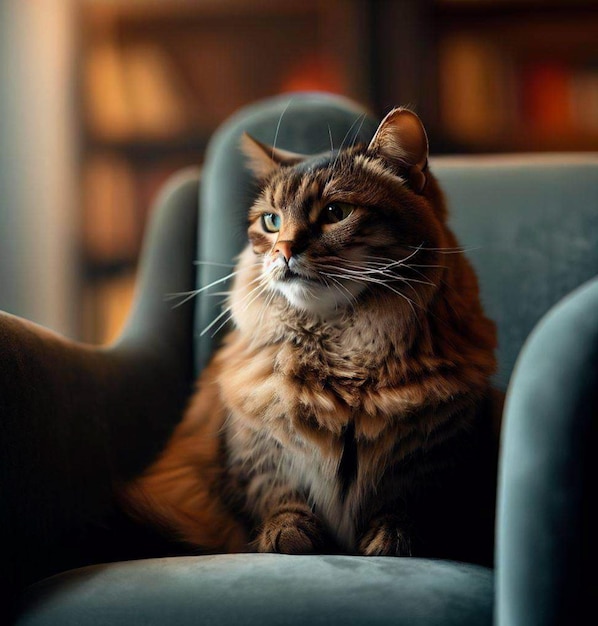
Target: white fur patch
[(322, 486), (309, 295)]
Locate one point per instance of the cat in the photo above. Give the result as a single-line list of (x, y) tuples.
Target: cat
[(350, 408)]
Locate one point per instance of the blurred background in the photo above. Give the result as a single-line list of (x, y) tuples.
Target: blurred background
[(101, 100)]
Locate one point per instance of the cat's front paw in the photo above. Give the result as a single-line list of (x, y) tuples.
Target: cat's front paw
[(386, 536), (291, 531)]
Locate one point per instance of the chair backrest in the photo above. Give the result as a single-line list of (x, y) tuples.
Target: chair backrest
[(528, 223)]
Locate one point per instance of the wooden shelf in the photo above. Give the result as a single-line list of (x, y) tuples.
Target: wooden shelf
[(518, 75), (147, 11), (151, 149)]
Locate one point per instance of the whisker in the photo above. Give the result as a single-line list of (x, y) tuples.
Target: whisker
[(229, 310), (411, 265), (358, 130), (342, 289), (456, 250), (375, 282), (218, 317), (228, 319), (219, 293), (266, 306), (415, 251), (360, 117), (382, 269), (409, 256), (409, 301), (357, 271), (189, 295), (262, 287), (278, 126), (214, 263)]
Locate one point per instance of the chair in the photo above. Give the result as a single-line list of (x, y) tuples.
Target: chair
[(74, 419)]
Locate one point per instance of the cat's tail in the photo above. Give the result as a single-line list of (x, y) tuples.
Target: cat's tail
[(198, 520)]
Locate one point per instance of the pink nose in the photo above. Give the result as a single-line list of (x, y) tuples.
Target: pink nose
[(284, 248)]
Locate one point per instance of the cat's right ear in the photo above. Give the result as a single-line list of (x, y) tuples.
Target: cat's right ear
[(264, 159), (401, 138)]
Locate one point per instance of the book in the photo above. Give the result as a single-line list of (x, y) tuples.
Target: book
[(109, 225)]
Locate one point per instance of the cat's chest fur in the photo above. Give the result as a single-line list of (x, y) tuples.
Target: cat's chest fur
[(325, 408), (314, 382)]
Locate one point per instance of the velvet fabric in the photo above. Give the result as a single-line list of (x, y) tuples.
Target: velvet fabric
[(546, 533), (260, 589), (529, 224), (75, 420)]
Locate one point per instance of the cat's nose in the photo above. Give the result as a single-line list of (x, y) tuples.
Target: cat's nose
[(284, 248)]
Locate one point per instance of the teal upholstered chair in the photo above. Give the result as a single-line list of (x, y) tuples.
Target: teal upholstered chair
[(75, 419)]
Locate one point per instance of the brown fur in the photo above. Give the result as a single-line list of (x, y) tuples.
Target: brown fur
[(358, 426)]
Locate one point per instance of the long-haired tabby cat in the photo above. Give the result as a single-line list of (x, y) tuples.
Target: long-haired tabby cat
[(348, 409)]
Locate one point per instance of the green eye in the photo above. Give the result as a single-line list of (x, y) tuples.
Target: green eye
[(271, 222), (337, 212)]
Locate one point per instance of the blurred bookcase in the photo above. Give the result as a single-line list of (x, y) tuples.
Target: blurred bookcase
[(156, 78), (517, 75)]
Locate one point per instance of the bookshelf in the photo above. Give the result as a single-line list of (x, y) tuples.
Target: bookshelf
[(156, 79), (518, 75)]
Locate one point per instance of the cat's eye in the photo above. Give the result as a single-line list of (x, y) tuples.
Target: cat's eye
[(337, 212), (271, 222)]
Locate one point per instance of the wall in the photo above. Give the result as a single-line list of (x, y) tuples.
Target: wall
[(37, 157)]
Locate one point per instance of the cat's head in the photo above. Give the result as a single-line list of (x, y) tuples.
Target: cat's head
[(330, 230)]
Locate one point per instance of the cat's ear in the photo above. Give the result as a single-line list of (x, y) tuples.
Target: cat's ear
[(264, 159), (401, 139)]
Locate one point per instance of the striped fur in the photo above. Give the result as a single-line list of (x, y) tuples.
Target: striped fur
[(341, 413)]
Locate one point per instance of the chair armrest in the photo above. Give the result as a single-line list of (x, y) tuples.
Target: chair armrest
[(76, 419), (546, 544)]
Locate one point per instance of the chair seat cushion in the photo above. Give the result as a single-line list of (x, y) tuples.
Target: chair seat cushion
[(264, 589)]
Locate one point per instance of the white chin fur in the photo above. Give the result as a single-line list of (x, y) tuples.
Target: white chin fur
[(318, 299)]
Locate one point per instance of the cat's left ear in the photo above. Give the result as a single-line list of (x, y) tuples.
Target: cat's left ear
[(401, 139), (264, 159)]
